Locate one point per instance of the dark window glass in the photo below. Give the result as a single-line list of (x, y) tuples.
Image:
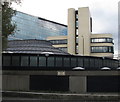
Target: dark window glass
[(42, 61), (50, 62), (104, 49), (63, 49), (98, 63), (15, 60), (73, 62), (24, 60), (6, 60), (33, 60), (102, 40), (92, 63), (86, 63), (80, 62), (66, 62), (58, 62), (77, 23), (101, 63), (63, 41)]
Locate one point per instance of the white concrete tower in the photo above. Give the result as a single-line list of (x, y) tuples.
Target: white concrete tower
[(71, 31), (84, 31)]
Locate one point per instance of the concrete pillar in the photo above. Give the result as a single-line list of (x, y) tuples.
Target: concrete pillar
[(84, 31), (77, 84), (71, 31)]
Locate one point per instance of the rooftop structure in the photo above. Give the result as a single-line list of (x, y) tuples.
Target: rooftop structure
[(32, 47)]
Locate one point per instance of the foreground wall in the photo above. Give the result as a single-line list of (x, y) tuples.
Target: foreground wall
[(73, 81)]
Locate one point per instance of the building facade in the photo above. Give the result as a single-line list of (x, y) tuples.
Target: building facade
[(80, 39), (32, 27)]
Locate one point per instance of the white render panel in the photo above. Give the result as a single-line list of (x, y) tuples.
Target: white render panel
[(71, 31), (84, 31)]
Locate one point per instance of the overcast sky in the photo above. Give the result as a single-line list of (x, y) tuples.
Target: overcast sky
[(103, 12)]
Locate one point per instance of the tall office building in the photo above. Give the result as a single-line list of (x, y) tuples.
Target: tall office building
[(80, 39), (32, 27), (119, 29)]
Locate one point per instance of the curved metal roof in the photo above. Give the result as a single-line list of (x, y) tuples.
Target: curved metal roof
[(32, 46)]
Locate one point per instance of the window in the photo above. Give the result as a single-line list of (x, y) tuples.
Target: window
[(42, 61), (33, 60), (55, 42), (6, 61), (97, 63), (102, 49), (76, 24), (24, 60), (92, 66), (66, 62), (101, 40), (86, 63), (63, 49), (73, 62), (80, 62), (15, 60), (50, 62), (58, 62)]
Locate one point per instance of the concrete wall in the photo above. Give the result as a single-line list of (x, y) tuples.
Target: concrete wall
[(20, 80), (15, 82), (77, 84), (71, 31), (84, 31), (101, 35), (60, 45)]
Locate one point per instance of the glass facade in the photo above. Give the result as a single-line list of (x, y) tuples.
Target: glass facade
[(101, 40), (102, 49), (31, 27)]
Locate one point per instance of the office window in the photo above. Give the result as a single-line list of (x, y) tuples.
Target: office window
[(58, 62), (102, 49), (56, 42), (101, 40), (6, 61), (15, 60), (33, 60), (24, 60), (50, 62), (42, 61)]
